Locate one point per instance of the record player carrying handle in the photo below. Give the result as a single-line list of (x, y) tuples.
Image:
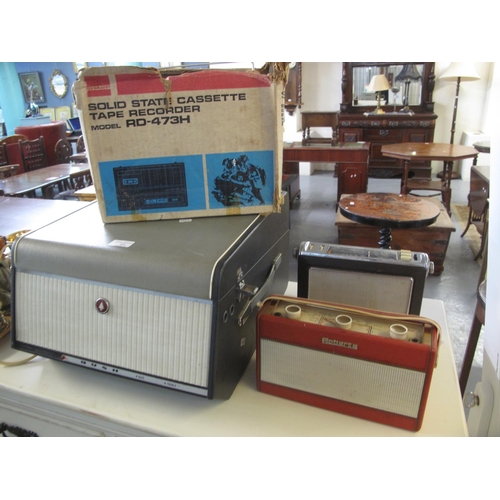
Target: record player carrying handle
[(257, 294)]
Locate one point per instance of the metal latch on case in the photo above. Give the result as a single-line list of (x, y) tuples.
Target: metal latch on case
[(256, 294)]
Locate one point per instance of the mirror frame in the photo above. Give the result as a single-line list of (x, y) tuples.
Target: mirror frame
[(426, 104), (57, 73)]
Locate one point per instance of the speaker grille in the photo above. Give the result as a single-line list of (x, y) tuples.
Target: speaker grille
[(374, 291), (383, 387), (159, 335)]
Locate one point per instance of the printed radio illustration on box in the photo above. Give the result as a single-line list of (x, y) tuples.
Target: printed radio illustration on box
[(361, 362), (162, 146), (147, 186)]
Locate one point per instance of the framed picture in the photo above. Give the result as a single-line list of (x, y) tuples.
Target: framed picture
[(32, 87), (63, 113), (50, 112)]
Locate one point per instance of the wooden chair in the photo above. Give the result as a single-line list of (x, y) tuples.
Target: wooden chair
[(63, 150), (80, 145), (477, 323), (34, 157), (3, 155), (33, 154), (81, 180), (6, 170), (77, 180), (479, 315), (478, 217), (13, 150), (13, 139)]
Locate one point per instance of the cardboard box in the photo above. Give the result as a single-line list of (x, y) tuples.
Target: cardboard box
[(205, 143)]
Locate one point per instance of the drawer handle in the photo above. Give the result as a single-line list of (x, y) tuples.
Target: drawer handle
[(383, 132)]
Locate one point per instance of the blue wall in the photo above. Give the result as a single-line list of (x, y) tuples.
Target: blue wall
[(11, 96), (12, 101), (45, 69)]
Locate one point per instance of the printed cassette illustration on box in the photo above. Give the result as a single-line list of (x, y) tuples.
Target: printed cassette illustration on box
[(241, 179), (206, 143)]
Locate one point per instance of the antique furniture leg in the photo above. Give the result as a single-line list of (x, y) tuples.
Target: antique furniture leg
[(447, 200), (306, 135), (404, 179), (469, 220), (475, 330), (484, 238), (446, 180), (385, 237)]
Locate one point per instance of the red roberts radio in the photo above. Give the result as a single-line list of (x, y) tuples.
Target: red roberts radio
[(361, 362)]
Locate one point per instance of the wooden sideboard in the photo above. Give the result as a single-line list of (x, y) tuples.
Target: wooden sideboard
[(389, 128), (357, 121)]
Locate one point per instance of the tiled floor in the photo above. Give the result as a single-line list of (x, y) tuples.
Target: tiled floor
[(313, 218)]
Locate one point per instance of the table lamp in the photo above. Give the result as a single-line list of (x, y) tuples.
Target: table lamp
[(459, 72), (378, 84), (406, 75)]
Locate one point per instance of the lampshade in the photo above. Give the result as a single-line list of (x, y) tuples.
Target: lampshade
[(409, 72), (464, 70), (378, 83)]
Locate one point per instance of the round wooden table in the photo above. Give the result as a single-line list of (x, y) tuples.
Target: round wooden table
[(429, 151), (388, 211)]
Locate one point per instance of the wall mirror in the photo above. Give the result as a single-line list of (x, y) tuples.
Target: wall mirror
[(411, 85), (58, 84)]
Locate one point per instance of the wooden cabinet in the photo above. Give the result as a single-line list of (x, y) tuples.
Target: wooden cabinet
[(357, 122), (352, 178)]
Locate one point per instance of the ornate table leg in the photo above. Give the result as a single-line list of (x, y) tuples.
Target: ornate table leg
[(306, 135), (334, 136), (404, 179), (385, 237), (446, 184)]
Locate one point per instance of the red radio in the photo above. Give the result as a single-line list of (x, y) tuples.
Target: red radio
[(365, 363)]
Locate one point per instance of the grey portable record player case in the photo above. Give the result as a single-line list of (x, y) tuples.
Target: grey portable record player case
[(171, 303)]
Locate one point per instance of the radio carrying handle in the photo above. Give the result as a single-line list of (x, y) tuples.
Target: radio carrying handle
[(256, 294)]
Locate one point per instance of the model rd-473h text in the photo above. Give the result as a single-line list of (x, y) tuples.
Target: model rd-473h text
[(157, 107)]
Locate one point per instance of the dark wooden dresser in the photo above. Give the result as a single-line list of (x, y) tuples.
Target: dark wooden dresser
[(390, 128), (357, 120)]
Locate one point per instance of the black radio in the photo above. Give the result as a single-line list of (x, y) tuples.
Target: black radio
[(151, 186), (381, 279)]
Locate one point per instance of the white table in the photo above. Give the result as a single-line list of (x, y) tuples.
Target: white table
[(57, 399)]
